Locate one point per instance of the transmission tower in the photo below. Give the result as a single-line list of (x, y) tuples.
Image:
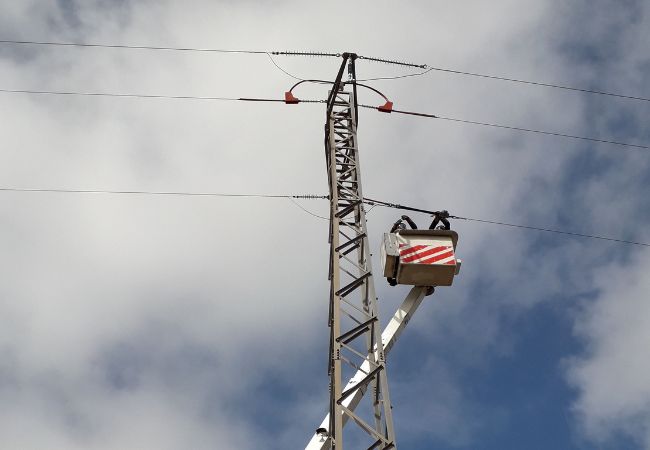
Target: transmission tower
[(353, 316), (422, 258)]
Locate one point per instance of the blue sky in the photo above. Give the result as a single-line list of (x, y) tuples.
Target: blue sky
[(151, 322)]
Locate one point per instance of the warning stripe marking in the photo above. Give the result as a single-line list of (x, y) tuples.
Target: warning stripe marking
[(423, 254), (439, 257), (409, 250), (426, 254)]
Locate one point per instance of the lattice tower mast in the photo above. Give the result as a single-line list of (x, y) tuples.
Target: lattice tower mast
[(355, 332)]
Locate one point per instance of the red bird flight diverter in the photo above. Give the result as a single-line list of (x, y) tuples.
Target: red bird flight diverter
[(289, 98), (386, 107)]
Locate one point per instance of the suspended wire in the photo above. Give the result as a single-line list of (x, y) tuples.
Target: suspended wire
[(182, 194), (152, 47), (147, 47), (282, 70), (130, 47), (397, 77), (371, 208), (306, 210), (548, 230), (538, 83), (163, 193), (134, 95), (529, 130), (370, 201), (367, 200), (508, 127), (113, 94)]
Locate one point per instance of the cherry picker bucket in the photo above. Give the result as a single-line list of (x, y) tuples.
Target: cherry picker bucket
[(420, 257)]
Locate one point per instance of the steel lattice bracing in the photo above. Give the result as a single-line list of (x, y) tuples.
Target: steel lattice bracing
[(353, 319)]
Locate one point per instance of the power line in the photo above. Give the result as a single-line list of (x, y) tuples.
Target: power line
[(147, 47), (306, 210), (113, 94), (529, 130), (370, 201), (178, 193), (291, 197), (282, 70), (163, 48), (548, 230), (538, 83), (129, 47), (150, 96), (508, 127), (162, 193), (397, 77)]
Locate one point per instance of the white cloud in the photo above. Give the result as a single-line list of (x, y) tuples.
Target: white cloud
[(241, 283), (612, 376)]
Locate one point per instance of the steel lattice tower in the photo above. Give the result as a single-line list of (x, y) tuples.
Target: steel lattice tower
[(358, 347), (355, 332)]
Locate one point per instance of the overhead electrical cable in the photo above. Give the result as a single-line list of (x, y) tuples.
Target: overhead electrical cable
[(530, 130), (148, 47), (282, 70), (291, 197), (548, 230), (178, 193), (538, 83), (372, 202), (130, 47), (397, 77), (150, 96), (308, 211), (113, 94), (163, 193), (513, 128)]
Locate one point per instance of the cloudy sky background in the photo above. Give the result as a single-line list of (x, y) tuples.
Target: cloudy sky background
[(178, 322)]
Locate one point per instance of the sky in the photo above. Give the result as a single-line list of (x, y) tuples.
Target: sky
[(132, 321)]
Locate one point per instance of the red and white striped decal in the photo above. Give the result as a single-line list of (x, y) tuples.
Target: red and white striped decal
[(427, 254)]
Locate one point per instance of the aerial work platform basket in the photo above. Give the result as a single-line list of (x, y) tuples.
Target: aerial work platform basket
[(420, 257)]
